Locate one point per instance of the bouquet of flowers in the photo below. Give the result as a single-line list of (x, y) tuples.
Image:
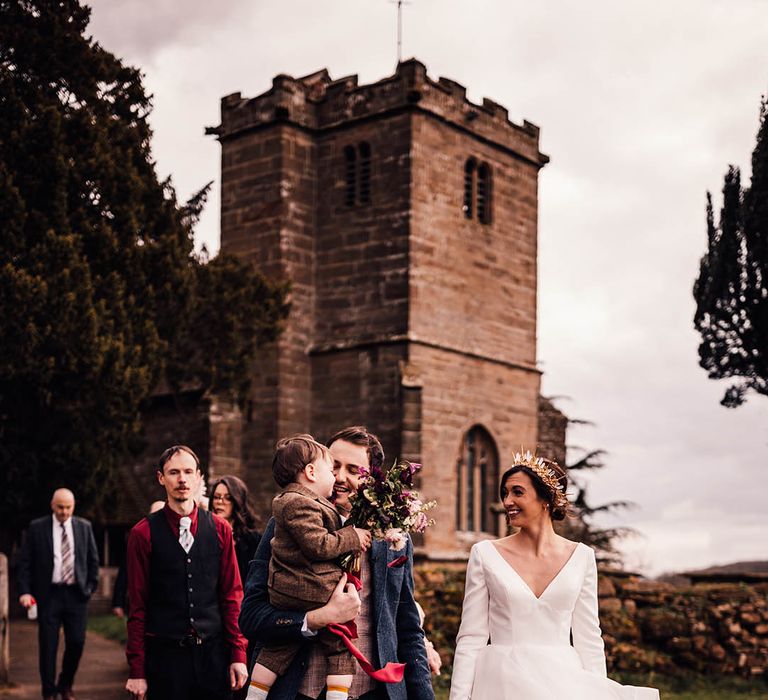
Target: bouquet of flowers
[(386, 505)]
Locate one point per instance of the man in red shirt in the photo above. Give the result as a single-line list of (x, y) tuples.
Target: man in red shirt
[(184, 594)]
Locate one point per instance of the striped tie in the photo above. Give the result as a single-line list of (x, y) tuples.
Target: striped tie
[(185, 534), (67, 560)]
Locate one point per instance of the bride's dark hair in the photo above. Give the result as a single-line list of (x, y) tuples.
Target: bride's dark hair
[(545, 492)]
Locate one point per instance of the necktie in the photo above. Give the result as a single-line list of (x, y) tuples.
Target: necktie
[(67, 560), (185, 534)]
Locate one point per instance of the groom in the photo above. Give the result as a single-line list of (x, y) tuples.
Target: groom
[(388, 621)]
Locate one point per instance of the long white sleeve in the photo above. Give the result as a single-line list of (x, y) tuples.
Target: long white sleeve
[(585, 624), (473, 632)]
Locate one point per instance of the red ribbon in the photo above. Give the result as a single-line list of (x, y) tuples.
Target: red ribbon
[(391, 673), (397, 562)]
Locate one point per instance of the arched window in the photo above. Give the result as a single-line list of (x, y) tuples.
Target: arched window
[(477, 191), (484, 194), (350, 172), (469, 187), (365, 172), (477, 482), (357, 174)]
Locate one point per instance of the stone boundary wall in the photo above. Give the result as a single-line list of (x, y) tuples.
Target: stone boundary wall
[(648, 626)]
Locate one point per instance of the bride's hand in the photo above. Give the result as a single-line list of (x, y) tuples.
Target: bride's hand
[(433, 658)]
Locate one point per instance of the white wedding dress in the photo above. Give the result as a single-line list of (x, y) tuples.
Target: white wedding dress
[(514, 646)]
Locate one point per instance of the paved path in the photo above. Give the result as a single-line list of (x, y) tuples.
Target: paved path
[(102, 674)]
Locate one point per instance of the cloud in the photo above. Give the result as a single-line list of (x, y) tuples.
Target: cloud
[(642, 107), (141, 29), (684, 541)]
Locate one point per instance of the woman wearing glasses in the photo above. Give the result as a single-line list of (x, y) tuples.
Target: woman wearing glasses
[(230, 501)]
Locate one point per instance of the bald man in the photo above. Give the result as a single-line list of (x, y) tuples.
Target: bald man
[(59, 570)]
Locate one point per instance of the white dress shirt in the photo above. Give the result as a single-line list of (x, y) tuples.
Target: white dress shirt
[(56, 578)]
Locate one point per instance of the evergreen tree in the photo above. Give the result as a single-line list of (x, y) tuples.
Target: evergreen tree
[(101, 295), (731, 291), (604, 540)]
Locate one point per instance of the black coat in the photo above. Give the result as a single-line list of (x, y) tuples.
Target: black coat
[(245, 549), (36, 560)]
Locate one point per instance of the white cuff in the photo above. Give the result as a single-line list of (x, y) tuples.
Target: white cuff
[(305, 629)]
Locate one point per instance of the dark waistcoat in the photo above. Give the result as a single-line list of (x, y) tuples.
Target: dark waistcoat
[(183, 586)]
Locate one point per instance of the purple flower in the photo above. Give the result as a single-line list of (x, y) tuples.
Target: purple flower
[(408, 470)]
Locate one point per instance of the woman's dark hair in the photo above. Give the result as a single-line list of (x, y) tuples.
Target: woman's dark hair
[(544, 492), (244, 516)]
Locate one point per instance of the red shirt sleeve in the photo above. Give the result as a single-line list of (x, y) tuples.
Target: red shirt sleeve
[(137, 569), (230, 592)]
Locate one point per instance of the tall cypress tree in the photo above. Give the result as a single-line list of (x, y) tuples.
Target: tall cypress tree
[(731, 291), (101, 294)]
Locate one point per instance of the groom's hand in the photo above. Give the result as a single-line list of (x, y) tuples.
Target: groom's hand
[(342, 606)]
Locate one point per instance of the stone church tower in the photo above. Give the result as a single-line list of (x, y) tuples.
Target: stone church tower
[(405, 218)]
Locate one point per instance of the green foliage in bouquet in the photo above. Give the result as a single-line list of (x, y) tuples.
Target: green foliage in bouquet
[(387, 505)]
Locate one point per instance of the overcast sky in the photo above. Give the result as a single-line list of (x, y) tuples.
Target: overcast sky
[(642, 106)]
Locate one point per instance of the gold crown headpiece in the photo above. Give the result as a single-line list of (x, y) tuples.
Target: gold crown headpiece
[(544, 471)]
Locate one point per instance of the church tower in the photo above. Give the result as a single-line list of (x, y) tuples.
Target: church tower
[(405, 219)]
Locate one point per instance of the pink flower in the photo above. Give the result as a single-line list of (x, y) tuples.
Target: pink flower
[(421, 522), (415, 506), (396, 537)]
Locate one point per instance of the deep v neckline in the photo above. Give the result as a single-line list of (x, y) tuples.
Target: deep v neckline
[(551, 581)]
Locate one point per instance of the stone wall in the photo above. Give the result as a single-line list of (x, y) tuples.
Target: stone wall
[(472, 284), (406, 315), (459, 392), (648, 627), (705, 628)]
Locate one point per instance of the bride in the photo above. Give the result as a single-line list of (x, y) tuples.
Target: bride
[(526, 596)]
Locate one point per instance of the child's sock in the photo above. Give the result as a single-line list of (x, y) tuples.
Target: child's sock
[(336, 692), (258, 691)]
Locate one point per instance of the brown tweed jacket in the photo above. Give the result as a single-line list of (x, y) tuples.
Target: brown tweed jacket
[(308, 541)]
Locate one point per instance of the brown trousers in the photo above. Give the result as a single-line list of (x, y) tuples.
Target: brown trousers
[(278, 658)]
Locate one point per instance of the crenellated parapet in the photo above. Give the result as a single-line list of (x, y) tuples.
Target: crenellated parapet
[(317, 102)]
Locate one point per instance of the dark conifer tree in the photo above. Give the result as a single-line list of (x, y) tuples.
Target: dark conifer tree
[(604, 540), (101, 294), (731, 291)]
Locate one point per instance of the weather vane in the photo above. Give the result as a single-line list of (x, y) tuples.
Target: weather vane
[(399, 4)]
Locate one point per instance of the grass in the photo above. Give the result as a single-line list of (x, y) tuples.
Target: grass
[(108, 626), (703, 688)]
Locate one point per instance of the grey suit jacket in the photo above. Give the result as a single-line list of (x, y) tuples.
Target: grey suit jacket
[(36, 559)]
